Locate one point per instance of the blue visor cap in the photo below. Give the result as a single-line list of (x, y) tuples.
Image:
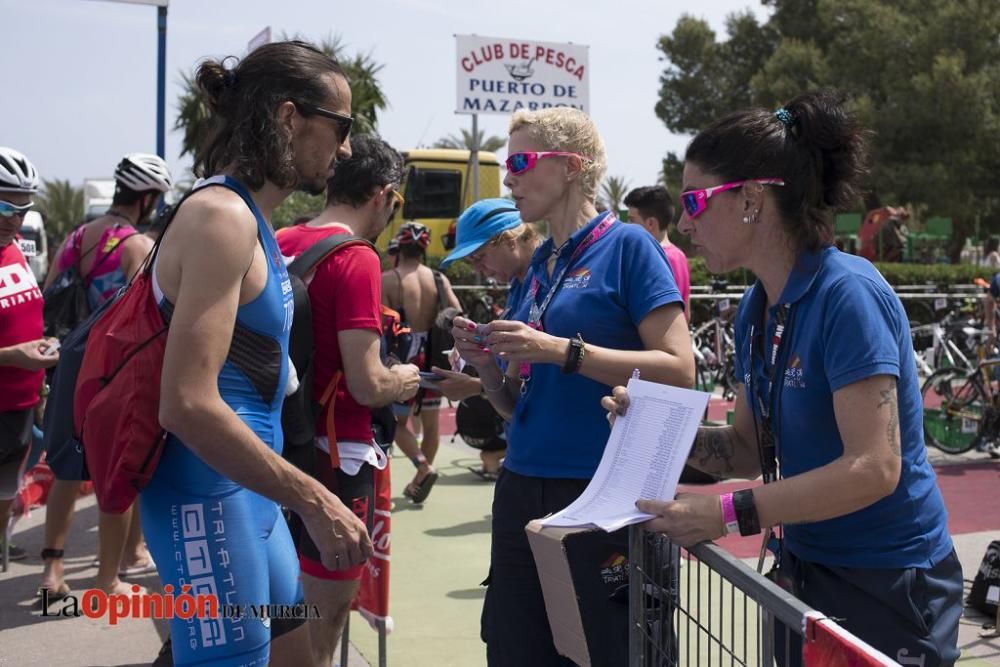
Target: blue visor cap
[(479, 224)]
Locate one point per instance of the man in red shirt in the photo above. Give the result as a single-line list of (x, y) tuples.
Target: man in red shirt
[(345, 297), (24, 353), (652, 207)]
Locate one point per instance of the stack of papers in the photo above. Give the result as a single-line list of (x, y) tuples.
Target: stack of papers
[(644, 457)]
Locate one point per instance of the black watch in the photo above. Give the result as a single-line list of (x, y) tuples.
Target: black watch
[(746, 512), (574, 355)]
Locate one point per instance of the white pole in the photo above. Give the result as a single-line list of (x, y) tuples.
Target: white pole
[(475, 157)]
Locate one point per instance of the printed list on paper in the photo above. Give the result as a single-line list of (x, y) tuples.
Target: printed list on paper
[(644, 457)]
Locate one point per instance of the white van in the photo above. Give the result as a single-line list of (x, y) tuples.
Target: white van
[(34, 244), (97, 196)]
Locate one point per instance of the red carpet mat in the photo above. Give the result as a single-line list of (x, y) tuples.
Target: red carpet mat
[(968, 490)]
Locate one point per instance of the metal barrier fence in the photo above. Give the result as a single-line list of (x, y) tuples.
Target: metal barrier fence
[(703, 606)]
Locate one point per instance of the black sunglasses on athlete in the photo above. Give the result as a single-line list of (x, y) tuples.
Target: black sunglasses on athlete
[(344, 123)]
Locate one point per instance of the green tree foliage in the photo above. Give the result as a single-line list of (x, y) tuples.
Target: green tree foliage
[(297, 205), (923, 74), (464, 141), (672, 173), (62, 205), (367, 96)]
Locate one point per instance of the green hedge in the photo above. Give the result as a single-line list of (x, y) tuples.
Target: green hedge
[(895, 274), (461, 273), (938, 274)]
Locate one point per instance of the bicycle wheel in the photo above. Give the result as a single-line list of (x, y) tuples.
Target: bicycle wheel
[(954, 409)]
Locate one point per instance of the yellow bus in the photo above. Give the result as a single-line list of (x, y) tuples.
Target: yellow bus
[(437, 188)]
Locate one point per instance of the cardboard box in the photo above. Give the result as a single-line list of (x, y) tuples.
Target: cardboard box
[(584, 578)]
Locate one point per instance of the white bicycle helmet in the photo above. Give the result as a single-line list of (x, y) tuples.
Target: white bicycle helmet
[(16, 173), (141, 172)]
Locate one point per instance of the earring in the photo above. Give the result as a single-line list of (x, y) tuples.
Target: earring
[(746, 220)]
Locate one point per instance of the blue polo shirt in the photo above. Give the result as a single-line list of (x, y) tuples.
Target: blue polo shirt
[(558, 428), (515, 293), (845, 325)]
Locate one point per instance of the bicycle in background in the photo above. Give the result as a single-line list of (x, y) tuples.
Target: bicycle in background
[(962, 409), (713, 346)]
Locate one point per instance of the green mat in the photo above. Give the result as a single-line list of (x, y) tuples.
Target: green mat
[(440, 554)]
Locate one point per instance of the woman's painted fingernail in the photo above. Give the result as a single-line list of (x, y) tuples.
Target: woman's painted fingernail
[(471, 326)]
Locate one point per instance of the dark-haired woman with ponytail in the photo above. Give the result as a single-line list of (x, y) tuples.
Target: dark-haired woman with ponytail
[(829, 411)]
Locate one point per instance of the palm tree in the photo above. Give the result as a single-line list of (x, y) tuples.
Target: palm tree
[(362, 71), (464, 141), (193, 116), (613, 191), (62, 205)]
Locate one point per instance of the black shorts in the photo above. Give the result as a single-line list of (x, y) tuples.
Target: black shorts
[(356, 492), (15, 444), (910, 614), (15, 434), (515, 625)]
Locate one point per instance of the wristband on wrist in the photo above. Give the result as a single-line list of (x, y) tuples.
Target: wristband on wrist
[(574, 355), (729, 513), (746, 512)]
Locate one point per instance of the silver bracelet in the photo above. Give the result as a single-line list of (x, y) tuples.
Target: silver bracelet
[(490, 390)]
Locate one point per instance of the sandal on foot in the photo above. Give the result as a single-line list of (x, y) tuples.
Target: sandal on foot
[(135, 570), (484, 474), (15, 552), (53, 594), (418, 491)]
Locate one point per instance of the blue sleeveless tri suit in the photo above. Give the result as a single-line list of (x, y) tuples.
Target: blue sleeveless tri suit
[(205, 530)]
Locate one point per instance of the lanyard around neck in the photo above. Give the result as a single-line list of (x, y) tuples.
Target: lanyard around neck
[(767, 437), (537, 311), (535, 316)]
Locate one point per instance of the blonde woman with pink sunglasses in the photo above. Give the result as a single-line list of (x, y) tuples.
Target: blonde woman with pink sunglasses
[(600, 301)]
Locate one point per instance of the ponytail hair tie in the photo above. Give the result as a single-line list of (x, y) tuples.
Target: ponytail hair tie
[(786, 117)]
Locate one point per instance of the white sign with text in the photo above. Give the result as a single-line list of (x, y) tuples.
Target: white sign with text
[(499, 75)]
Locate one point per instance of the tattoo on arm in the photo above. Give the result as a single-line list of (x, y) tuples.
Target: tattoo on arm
[(714, 449), (889, 398)]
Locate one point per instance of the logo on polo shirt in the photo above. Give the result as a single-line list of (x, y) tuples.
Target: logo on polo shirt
[(577, 279), (794, 375)]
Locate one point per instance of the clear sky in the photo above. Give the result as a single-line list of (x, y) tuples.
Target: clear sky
[(79, 76)]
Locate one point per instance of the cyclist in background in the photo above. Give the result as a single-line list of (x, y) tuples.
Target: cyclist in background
[(23, 351), (107, 252)]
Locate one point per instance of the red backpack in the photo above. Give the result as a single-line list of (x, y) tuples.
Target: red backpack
[(117, 401), (116, 405)]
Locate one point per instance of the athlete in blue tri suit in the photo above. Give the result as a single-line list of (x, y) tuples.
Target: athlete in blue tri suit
[(205, 530), (212, 509)]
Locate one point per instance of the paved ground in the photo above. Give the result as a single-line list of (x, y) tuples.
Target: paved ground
[(439, 556)]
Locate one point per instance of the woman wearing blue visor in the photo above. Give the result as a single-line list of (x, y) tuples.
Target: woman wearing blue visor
[(492, 237)]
